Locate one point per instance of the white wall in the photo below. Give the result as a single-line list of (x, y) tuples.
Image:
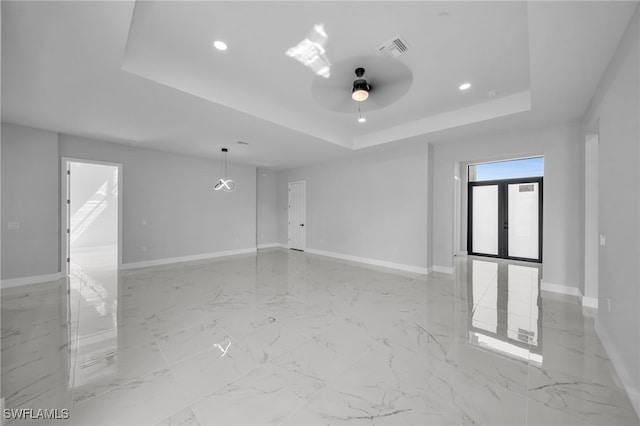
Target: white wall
[(372, 206), (98, 222), (563, 194), (1, 180), (170, 209), (267, 200), (615, 108), (169, 206), (430, 206), (30, 197)]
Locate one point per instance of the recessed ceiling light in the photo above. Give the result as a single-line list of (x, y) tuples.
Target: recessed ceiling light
[(220, 45), (464, 86), (493, 93), (362, 120)]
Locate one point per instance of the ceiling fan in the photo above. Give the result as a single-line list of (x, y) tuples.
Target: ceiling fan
[(386, 81), (361, 88)]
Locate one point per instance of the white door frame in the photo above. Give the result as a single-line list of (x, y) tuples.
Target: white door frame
[(591, 225), (304, 245), (64, 213), (456, 215)]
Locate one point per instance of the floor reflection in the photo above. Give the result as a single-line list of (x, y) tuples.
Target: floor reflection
[(285, 337), (94, 282), (505, 307)]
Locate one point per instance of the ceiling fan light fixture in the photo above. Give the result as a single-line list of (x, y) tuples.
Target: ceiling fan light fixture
[(361, 88), (359, 94)]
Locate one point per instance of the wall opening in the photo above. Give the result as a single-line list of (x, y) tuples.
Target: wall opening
[(92, 216)]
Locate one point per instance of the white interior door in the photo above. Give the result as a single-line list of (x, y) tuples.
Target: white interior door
[(297, 215)]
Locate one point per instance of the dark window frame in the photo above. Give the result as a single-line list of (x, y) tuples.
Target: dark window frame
[(503, 226)]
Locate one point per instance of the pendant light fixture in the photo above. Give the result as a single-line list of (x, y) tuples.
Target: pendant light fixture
[(227, 185)]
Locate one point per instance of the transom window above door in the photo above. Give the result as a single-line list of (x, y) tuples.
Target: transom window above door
[(510, 169)]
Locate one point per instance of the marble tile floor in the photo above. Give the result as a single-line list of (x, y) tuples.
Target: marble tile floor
[(289, 338)]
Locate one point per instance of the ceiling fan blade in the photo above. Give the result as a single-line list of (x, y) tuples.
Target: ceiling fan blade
[(330, 93), (385, 93)]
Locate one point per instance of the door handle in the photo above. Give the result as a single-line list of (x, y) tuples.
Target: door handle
[(302, 224)]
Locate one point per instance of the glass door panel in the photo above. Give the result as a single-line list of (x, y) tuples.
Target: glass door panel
[(523, 220), (485, 219)]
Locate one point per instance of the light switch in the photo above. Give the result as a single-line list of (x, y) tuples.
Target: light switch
[(14, 225)]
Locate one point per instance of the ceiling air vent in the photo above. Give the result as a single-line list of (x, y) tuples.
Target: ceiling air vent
[(394, 47)]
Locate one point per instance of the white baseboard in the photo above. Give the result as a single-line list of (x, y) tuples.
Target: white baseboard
[(271, 245), (590, 302), (633, 390), (16, 282), (384, 264), (562, 289), (170, 260), (442, 269)]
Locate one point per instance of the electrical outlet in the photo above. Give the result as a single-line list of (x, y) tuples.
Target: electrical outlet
[(608, 304), (13, 225), (603, 240)]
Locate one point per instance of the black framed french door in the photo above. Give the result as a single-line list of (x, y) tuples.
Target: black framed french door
[(505, 219)]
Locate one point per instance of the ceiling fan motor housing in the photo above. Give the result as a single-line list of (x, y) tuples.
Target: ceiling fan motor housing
[(361, 84)]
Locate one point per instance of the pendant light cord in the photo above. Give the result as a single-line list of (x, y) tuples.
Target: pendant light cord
[(222, 165)]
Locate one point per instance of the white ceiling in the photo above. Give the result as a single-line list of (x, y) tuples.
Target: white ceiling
[(146, 72)]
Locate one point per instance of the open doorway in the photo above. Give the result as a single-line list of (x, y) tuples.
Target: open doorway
[(505, 209), (92, 216)]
